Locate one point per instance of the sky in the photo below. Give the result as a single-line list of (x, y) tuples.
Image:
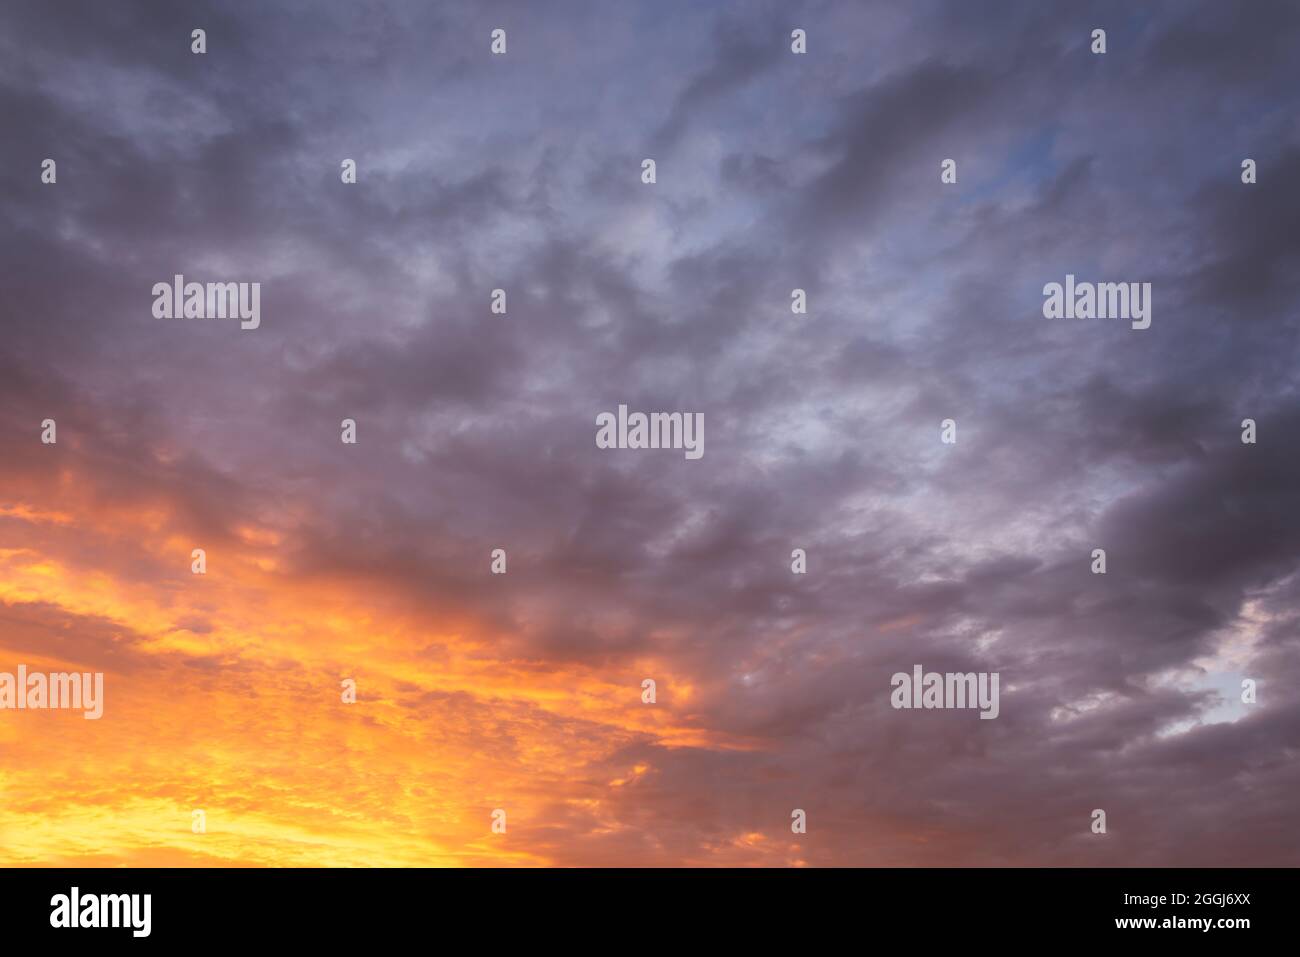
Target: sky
[(522, 691)]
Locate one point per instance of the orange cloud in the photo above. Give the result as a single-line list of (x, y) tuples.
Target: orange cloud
[(223, 694)]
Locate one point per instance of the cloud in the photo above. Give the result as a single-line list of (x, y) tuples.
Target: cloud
[(475, 431)]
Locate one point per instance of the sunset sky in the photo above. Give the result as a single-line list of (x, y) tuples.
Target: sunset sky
[(476, 431)]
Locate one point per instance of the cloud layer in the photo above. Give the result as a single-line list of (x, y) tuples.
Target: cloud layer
[(476, 431)]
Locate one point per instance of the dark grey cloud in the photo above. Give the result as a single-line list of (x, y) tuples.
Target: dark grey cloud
[(775, 172)]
